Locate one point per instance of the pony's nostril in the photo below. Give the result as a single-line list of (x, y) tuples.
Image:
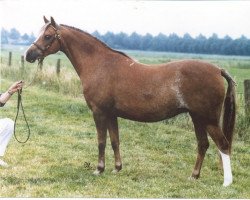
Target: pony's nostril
[(28, 56), (31, 56)]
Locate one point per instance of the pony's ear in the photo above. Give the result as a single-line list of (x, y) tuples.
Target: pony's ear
[(52, 21), (45, 20)]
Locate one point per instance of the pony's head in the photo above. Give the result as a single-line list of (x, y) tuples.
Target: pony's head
[(48, 42)]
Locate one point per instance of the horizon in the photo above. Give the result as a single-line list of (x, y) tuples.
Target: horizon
[(162, 42), (129, 34)]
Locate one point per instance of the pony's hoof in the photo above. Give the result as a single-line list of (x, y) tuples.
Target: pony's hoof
[(115, 171), (97, 172), (194, 176), (191, 178)]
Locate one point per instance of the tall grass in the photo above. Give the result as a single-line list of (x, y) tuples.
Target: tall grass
[(67, 82)]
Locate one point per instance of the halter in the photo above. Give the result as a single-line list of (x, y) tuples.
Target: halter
[(56, 37)]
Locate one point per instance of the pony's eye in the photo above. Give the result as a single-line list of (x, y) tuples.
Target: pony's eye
[(47, 37)]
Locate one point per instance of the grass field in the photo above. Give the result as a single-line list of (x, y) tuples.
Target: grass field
[(158, 158)]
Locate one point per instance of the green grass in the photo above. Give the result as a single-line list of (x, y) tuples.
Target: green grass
[(158, 158)]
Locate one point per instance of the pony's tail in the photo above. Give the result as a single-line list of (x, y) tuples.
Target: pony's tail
[(229, 109)]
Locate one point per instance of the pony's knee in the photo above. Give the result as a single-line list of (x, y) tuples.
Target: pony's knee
[(101, 147), (115, 145)]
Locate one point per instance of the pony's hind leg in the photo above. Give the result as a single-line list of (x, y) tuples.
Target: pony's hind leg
[(203, 144), (114, 138), (220, 140)]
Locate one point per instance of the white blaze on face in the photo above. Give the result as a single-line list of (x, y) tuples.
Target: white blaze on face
[(41, 32), (228, 177)]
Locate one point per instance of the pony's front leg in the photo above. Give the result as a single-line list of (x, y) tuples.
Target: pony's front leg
[(101, 127), (114, 138)]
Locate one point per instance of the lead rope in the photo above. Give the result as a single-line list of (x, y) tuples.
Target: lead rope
[(20, 104)]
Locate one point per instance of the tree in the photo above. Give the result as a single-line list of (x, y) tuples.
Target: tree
[(4, 36), (109, 39), (97, 35), (227, 46), (187, 44), (121, 40), (14, 34), (161, 42), (146, 42), (25, 37), (134, 41), (212, 45), (32, 38), (199, 46), (173, 44)]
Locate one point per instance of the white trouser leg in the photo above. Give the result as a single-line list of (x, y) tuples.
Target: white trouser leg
[(6, 132), (228, 177)]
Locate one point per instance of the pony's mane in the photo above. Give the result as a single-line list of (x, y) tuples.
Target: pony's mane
[(105, 45)]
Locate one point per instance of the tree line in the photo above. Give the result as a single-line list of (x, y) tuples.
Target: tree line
[(14, 37), (148, 42)]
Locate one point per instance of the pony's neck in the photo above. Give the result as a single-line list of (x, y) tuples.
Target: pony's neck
[(81, 49)]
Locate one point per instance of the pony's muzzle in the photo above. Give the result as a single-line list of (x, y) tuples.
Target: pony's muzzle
[(32, 55)]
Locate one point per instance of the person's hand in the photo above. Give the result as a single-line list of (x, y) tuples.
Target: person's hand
[(15, 87)]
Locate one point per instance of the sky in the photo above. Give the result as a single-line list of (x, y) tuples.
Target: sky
[(194, 17)]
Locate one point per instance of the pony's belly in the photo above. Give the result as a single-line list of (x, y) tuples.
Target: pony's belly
[(149, 116), (157, 108)]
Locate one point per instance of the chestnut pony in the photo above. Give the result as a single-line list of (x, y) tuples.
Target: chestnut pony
[(115, 85)]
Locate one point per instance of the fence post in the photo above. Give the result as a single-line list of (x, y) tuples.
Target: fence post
[(41, 66), (22, 65), (22, 61), (10, 58), (58, 66), (247, 96)]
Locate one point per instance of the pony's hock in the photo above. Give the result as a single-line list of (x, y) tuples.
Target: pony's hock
[(115, 85)]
